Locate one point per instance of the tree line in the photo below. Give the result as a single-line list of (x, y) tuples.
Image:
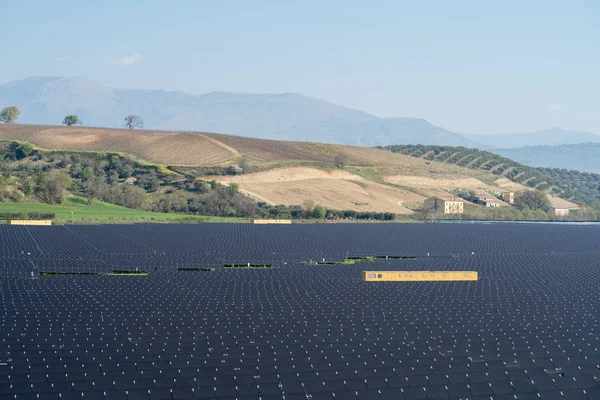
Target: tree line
[(8, 216), (10, 115)]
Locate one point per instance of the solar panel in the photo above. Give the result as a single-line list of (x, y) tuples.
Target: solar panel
[(528, 328)]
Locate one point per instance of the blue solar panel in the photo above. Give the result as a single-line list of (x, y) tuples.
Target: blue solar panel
[(527, 329)]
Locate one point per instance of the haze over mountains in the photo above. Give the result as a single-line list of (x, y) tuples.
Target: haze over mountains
[(546, 137), (582, 157), (287, 116)]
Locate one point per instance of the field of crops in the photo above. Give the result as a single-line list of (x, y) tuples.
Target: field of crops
[(240, 311), (177, 148), (194, 148), (267, 150)]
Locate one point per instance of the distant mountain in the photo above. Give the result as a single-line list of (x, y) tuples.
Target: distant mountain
[(546, 137), (287, 116), (583, 157), (396, 130)]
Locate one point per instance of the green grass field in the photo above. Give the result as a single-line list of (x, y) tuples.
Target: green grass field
[(105, 213)]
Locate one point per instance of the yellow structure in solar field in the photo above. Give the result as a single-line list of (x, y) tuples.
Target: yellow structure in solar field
[(30, 222), (409, 276), (271, 221)]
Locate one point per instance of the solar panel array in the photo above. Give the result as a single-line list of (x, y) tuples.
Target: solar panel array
[(528, 329)]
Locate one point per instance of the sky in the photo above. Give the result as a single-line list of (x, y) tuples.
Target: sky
[(468, 66)]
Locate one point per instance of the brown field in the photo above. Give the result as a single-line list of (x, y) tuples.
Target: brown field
[(175, 148), (334, 189), (442, 182), (267, 150), (196, 148)]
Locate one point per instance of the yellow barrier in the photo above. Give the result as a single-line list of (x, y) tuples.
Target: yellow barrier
[(271, 221), (30, 222), (404, 276)]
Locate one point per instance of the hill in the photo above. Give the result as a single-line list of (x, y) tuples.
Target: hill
[(581, 157), (339, 177), (579, 187)]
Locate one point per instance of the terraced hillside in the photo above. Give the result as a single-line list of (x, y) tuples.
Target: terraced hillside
[(282, 172), (580, 187)]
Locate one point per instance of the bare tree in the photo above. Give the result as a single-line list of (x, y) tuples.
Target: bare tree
[(94, 188), (308, 206), (133, 121), (340, 160)]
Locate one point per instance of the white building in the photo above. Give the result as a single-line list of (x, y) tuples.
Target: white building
[(444, 205)]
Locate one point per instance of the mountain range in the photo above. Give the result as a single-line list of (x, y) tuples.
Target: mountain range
[(582, 156), (286, 116)]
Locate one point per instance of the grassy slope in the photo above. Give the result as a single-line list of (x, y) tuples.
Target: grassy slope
[(103, 212)]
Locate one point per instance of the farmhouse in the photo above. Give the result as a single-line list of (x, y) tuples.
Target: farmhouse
[(444, 204), (508, 197), (487, 200), (560, 211)]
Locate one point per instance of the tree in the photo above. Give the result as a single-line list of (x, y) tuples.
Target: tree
[(532, 200), (132, 197), (93, 188), (126, 171), (133, 121), (87, 173), (52, 186), (10, 114), (341, 160), (234, 170), (308, 206), (244, 164), (28, 187), (153, 184), (21, 150), (191, 175), (318, 212), (202, 186), (71, 120), (233, 189)]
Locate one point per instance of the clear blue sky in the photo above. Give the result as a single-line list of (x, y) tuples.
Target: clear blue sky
[(469, 66)]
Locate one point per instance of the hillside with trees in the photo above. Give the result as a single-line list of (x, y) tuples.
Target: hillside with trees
[(31, 175), (232, 176), (579, 187)]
